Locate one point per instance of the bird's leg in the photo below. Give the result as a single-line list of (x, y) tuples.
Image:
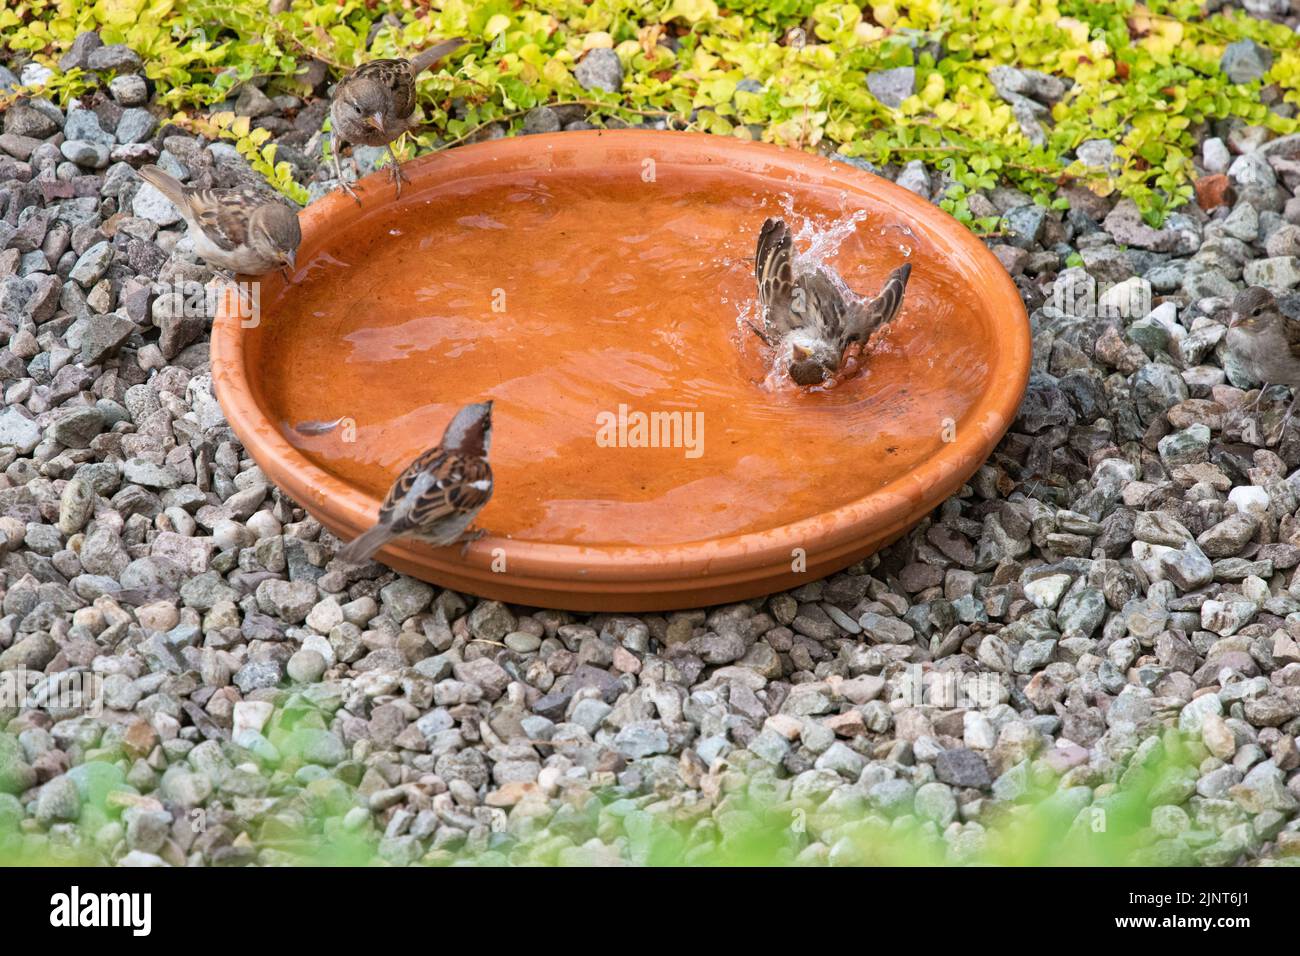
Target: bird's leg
[(760, 333), (228, 277), (338, 167), (1287, 417), (1258, 398), (395, 171), (468, 538)]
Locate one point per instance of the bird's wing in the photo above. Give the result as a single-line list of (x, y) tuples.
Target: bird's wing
[(459, 485), (386, 72), (223, 214), (398, 77), (775, 274), (1291, 328), (870, 315)]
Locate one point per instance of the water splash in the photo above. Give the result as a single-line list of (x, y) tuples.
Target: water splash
[(817, 241)]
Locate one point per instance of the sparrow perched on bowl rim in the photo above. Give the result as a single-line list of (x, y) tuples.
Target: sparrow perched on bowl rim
[(375, 104), (237, 231), (1265, 343), (805, 313), (439, 494)]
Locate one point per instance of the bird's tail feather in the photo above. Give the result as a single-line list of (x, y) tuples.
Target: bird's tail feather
[(360, 548), (427, 58), (165, 183)]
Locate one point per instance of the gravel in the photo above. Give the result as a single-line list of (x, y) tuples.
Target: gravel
[(1115, 587)]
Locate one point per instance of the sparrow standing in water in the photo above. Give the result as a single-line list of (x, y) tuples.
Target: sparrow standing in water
[(375, 104), (237, 231), (439, 493), (807, 316), (1265, 343)]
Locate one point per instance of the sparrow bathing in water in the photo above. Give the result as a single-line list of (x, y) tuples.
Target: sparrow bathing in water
[(807, 316), (1265, 343), (375, 104), (237, 231), (439, 493)]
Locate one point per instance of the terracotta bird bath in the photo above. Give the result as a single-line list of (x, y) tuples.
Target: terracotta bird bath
[(595, 286)]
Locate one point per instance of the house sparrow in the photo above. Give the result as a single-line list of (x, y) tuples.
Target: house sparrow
[(439, 493), (237, 231), (1265, 343), (375, 104), (807, 316)]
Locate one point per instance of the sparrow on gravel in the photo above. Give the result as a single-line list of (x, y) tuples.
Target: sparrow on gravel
[(439, 493), (807, 316), (375, 104), (1265, 343), (236, 231)]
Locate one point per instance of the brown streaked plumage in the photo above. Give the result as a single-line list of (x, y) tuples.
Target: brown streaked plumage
[(807, 316), (238, 231), (375, 104), (440, 493)]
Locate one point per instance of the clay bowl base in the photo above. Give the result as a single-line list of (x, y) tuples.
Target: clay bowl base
[(597, 286)]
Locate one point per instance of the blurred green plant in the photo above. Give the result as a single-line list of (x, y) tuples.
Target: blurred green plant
[(297, 812), (1144, 76)]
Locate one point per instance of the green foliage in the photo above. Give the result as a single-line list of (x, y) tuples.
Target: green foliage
[(251, 144), (316, 818), (1143, 76)]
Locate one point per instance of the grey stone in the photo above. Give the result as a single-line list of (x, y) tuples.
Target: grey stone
[(103, 337), (962, 767), (600, 69), (117, 57), (135, 126), (641, 738), (891, 87), (1245, 61)]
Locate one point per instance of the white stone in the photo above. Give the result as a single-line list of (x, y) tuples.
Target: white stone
[(1046, 592), (1215, 156), (1193, 716), (231, 534), (322, 646), (1124, 299), (150, 204), (1166, 315), (1254, 588), (34, 74), (251, 715), (263, 524), (1249, 499), (977, 731), (325, 616)]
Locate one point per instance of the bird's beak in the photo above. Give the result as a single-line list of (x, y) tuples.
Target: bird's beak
[(376, 120), (291, 259), (1233, 320)]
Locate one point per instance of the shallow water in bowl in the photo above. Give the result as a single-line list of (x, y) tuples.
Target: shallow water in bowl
[(567, 295)]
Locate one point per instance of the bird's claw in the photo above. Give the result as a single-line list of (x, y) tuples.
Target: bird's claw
[(395, 174), (347, 188)]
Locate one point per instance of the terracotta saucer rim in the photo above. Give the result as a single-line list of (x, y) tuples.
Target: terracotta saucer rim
[(750, 556)]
